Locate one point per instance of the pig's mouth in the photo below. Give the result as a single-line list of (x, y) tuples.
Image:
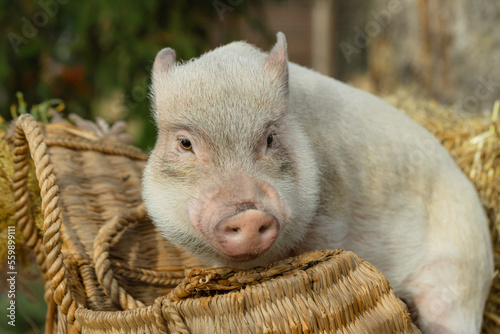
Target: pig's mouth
[(242, 257)]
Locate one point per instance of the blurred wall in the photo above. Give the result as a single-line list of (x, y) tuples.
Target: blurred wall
[(315, 31), (449, 48)]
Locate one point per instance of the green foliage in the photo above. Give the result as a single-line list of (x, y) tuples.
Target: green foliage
[(41, 112), (86, 52)]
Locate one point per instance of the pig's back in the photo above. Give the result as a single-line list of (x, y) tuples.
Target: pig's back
[(362, 135)]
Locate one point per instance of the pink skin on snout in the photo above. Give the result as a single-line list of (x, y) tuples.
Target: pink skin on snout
[(241, 219), (246, 235)]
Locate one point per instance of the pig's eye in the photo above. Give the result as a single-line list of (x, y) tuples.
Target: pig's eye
[(185, 144), (270, 140)]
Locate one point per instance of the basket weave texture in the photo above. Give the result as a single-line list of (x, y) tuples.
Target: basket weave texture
[(107, 269)]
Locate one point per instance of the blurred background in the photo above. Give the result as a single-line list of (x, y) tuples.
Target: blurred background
[(96, 56)]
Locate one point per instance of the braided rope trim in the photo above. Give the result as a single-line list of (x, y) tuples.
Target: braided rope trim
[(227, 279), (168, 276), (103, 147), (104, 271), (22, 214), (30, 140)]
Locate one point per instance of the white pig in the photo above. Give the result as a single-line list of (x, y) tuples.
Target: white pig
[(258, 159)]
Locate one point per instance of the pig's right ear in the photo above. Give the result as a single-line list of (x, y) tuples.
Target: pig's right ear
[(276, 62), (164, 60)]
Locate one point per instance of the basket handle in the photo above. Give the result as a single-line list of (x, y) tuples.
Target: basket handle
[(103, 268), (30, 140)]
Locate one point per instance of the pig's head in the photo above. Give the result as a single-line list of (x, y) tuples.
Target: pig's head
[(232, 177)]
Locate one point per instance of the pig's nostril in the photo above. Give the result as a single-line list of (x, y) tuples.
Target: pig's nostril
[(249, 232)]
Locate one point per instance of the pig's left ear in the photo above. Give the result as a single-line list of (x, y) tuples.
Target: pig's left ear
[(164, 60), (276, 62)]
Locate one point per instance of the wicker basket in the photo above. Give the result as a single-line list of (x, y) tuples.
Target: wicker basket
[(109, 271)]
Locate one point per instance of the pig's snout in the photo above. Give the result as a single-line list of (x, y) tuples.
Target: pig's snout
[(246, 235)]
